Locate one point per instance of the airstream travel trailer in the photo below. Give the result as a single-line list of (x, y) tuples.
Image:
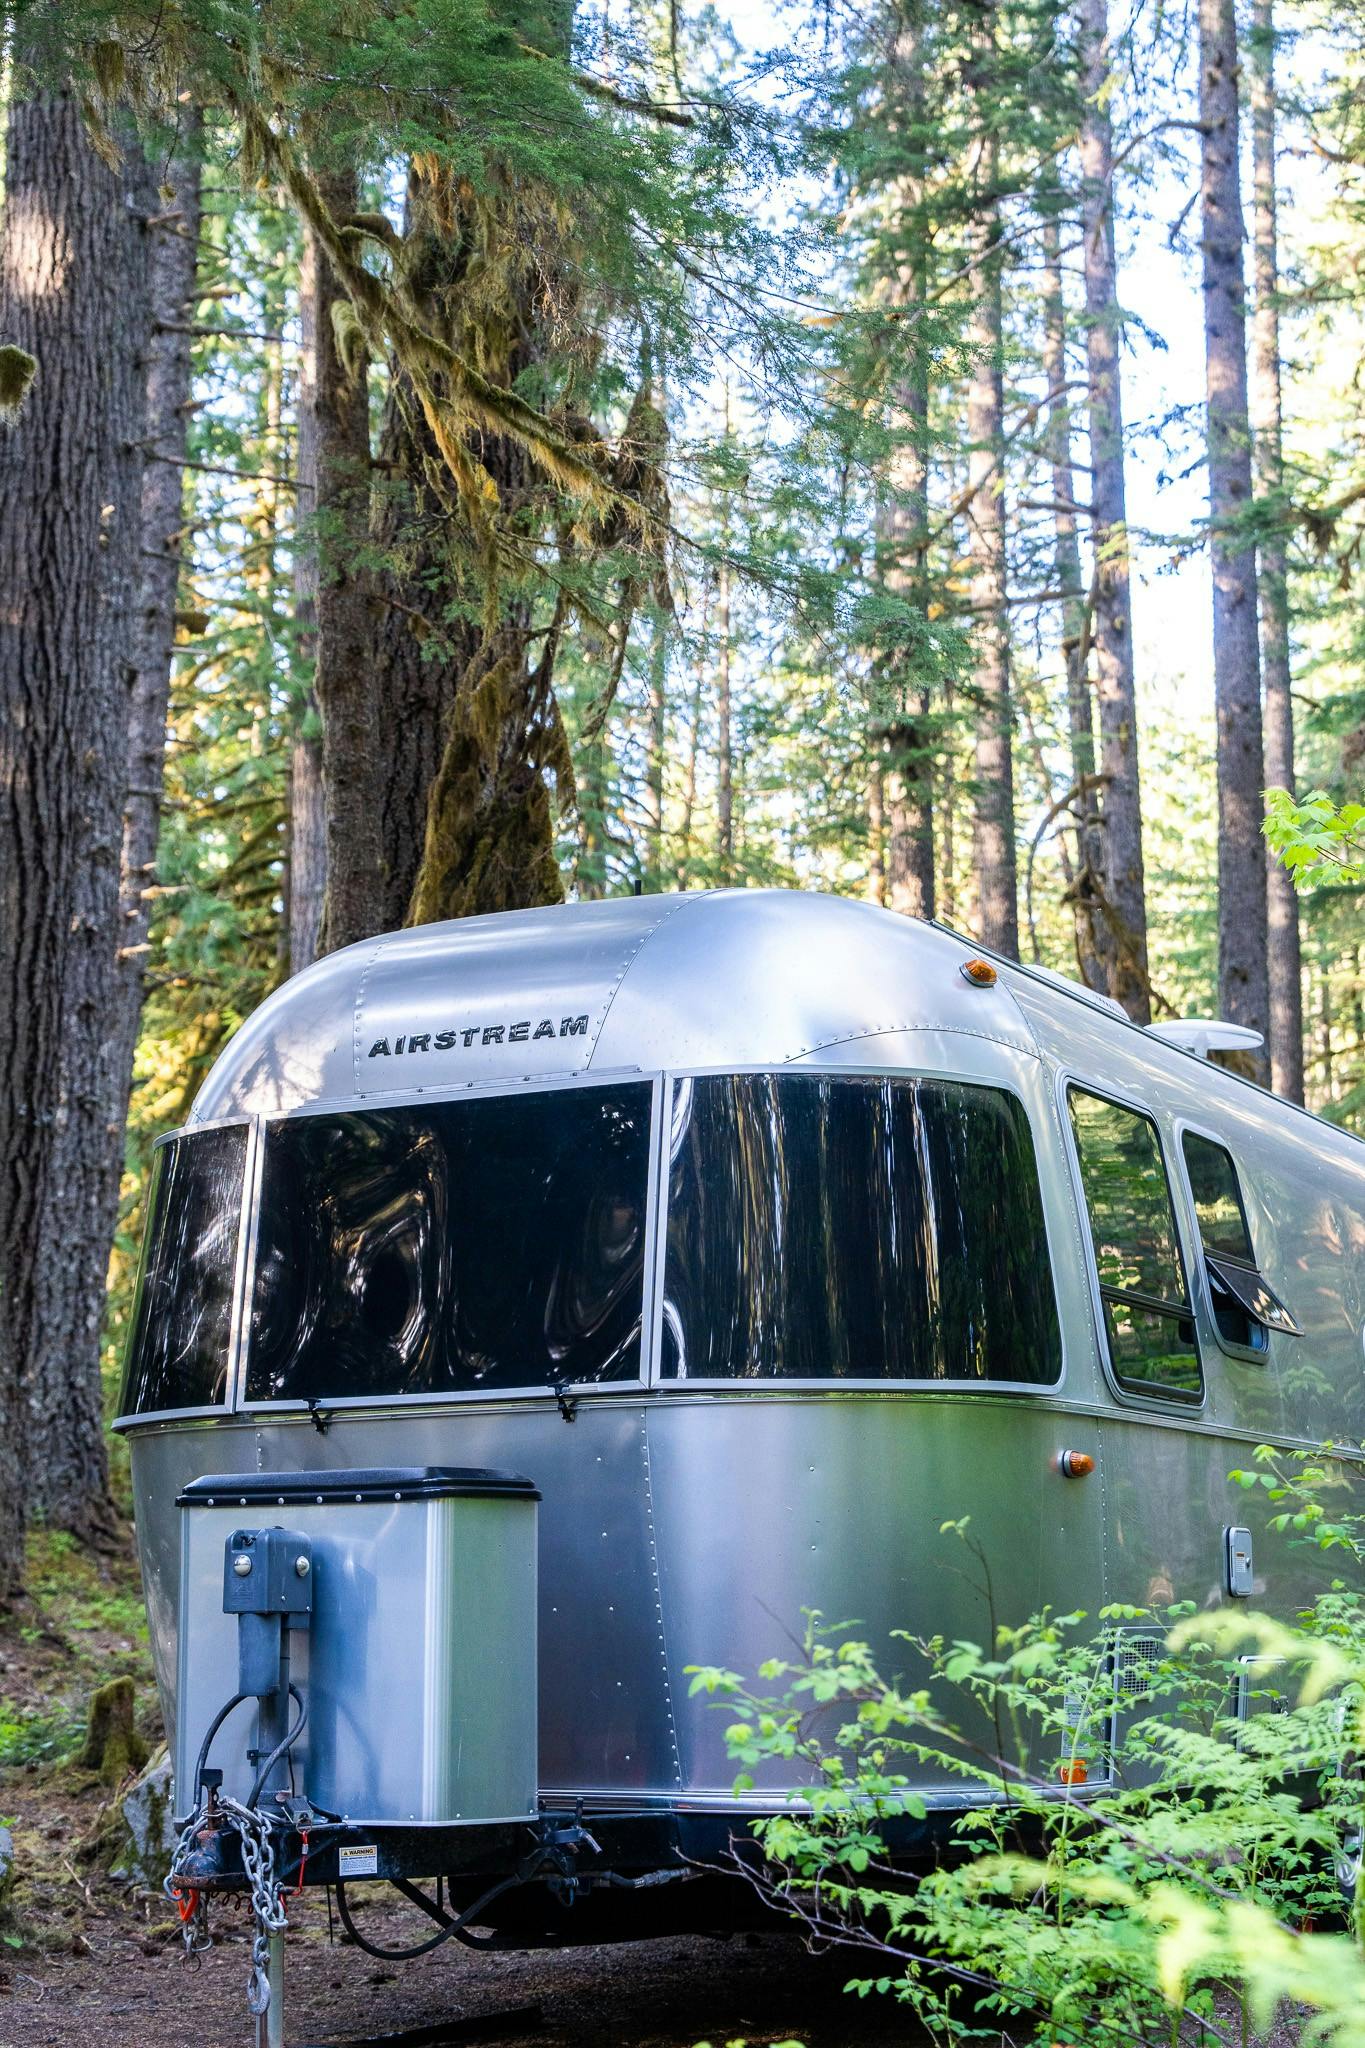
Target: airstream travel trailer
[(538, 1304)]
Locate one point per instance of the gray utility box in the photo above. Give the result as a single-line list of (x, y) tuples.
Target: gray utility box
[(418, 1664)]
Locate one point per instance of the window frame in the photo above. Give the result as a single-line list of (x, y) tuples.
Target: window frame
[(536, 1391), (1132, 1393), (1244, 1354), (243, 1261), (770, 1389)]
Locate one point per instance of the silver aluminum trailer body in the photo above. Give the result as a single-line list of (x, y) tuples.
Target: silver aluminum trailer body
[(688, 1515)]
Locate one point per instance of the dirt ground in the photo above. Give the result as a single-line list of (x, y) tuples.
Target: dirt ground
[(88, 1960), (658, 1994)]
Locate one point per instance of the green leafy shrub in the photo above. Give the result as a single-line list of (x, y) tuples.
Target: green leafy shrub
[(1153, 1843)]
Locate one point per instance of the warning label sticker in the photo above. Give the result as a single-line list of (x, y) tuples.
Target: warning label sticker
[(360, 1861)]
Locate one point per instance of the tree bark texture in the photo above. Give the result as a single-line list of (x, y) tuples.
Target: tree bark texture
[(725, 738), (1116, 686), (876, 828), (656, 746), (993, 822), (72, 293), (172, 267), (470, 735), (907, 765), (306, 893), (346, 684), (1086, 885), (1243, 977), (1284, 960)]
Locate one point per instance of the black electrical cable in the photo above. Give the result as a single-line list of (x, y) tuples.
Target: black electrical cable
[(407, 1955), (280, 1747), (214, 1725)]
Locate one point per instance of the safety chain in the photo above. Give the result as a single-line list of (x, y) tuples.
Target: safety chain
[(258, 1861)]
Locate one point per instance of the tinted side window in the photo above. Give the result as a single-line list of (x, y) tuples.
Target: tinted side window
[(1217, 1199), (1244, 1308), (823, 1227), (182, 1320), (452, 1246), (1148, 1319)]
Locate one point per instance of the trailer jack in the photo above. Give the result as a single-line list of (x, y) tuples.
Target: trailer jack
[(268, 1585)]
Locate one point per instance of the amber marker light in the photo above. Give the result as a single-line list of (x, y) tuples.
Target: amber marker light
[(1073, 1773), (979, 973), (1074, 1464)]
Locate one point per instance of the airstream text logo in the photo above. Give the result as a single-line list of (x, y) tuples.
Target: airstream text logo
[(479, 1034)]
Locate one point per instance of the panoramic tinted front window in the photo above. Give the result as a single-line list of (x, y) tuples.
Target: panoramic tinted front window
[(495, 1242), (1147, 1314), (823, 1227), (182, 1320)]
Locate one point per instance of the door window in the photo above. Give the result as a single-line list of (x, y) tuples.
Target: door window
[(1149, 1322)]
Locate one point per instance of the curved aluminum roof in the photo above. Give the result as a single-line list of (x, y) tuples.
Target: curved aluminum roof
[(722, 978)]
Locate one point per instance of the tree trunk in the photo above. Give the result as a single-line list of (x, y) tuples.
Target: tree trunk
[(993, 822), (656, 745), (725, 756), (1116, 687), (1284, 964), (689, 795), (1086, 883), (307, 823), (1243, 978), (72, 294), (471, 740), (172, 268), (876, 827), (903, 523), (346, 683)]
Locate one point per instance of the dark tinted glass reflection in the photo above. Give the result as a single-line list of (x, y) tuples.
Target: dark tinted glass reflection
[(1217, 1199), (481, 1243), (178, 1354), (1147, 1314), (831, 1228)]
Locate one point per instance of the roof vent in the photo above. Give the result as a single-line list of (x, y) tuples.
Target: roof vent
[(1203, 1035)]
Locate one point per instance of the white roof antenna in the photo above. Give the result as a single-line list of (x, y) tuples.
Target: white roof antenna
[(1203, 1035)]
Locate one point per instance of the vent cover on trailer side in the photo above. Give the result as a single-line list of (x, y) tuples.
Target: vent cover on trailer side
[(1136, 1656)]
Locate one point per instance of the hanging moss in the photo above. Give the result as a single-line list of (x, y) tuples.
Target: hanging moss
[(490, 820)]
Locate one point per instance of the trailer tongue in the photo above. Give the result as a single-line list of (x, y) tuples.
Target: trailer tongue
[(385, 1656)]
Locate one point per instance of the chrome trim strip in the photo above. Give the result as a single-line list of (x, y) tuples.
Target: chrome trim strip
[(405, 1097), (453, 1398), (1129, 1416), (651, 1304), (246, 1262), (123, 1423), (192, 1129), (658, 1189)]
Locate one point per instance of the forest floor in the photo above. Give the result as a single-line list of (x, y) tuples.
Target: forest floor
[(88, 1960), (92, 1961)]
